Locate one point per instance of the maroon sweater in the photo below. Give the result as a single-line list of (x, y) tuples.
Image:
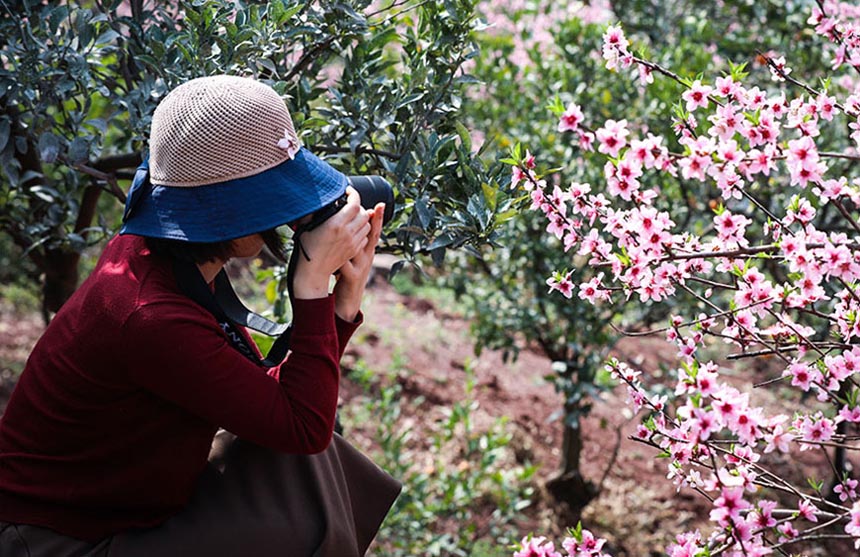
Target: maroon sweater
[(112, 419)]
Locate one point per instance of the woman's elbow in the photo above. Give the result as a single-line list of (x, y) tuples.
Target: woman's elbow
[(319, 441)]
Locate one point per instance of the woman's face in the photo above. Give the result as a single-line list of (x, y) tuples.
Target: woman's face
[(248, 246)]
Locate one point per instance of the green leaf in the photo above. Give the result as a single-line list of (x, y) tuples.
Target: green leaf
[(556, 106), (396, 267), (107, 37), (506, 215), (272, 291), (266, 64), (409, 100), (465, 136), (5, 131), (490, 196), (49, 147), (443, 240), (425, 213), (79, 150)]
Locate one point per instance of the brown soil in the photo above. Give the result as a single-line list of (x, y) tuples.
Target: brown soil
[(638, 510)]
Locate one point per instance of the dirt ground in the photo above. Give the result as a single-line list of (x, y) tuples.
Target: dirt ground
[(638, 510)]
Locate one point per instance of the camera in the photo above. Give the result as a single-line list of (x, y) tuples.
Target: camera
[(373, 190)]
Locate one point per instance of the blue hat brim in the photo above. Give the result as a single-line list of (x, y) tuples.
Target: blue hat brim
[(234, 208)]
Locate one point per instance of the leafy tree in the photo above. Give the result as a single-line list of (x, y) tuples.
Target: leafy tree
[(521, 68), (377, 89)]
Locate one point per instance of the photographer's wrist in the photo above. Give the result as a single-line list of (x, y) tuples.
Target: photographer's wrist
[(347, 304), (309, 284)]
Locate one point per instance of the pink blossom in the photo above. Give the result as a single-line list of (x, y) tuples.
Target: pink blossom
[(697, 95), (645, 74), (831, 189), (561, 283), (587, 546), (762, 517), (778, 439), (801, 375), (826, 105), (615, 47), (731, 227), (726, 122), (571, 118), (687, 545), (754, 99), (787, 531), (694, 166), (778, 69), (728, 506), (802, 153), (612, 137), (807, 510), (846, 489), (586, 140), (853, 526), (725, 87), (537, 547), (851, 414), (759, 162), (816, 429), (593, 291)]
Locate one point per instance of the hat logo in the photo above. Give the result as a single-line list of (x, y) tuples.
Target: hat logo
[(289, 143)]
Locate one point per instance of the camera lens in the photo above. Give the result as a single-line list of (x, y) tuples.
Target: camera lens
[(373, 190)]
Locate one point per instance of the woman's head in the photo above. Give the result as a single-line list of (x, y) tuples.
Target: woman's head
[(225, 162), (206, 252)]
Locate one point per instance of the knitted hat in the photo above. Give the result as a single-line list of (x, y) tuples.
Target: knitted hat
[(225, 162)]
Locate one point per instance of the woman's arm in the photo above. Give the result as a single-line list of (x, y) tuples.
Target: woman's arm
[(178, 352)]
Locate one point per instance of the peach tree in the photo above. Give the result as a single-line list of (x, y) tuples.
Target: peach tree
[(536, 49), (767, 267)]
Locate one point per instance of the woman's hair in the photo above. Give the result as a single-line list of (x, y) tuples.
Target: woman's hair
[(203, 252)]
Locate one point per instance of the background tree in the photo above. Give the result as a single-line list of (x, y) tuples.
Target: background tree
[(378, 89), (537, 50)]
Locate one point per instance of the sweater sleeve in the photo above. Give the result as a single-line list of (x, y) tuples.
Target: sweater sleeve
[(345, 330), (179, 353)]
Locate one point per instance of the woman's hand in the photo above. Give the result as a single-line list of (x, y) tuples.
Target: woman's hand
[(353, 275), (330, 246)]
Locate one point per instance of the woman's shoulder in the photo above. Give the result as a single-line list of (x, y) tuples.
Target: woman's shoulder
[(129, 279)]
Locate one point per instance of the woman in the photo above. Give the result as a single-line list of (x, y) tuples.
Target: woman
[(105, 442)]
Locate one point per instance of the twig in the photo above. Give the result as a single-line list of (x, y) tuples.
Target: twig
[(612, 459), (358, 151), (798, 83), (668, 73), (742, 355), (846, 214)]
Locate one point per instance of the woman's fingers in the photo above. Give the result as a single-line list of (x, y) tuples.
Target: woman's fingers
[(351, 235)]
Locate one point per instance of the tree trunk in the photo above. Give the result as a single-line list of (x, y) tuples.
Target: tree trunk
[(569, 486), (841, 464), (60, 282)]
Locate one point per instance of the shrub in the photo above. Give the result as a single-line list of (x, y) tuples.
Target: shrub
[(461, 492), (377, 89)]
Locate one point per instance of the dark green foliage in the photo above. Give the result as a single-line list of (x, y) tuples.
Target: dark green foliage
[(379, 92)]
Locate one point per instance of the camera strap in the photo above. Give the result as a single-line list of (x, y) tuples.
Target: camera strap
[(232, 314), (229, 310)]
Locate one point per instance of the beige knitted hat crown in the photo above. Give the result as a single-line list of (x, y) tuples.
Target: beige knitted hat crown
[(231, 138), (219, 128)]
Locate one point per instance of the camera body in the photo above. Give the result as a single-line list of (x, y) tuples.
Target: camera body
[(373, 190)]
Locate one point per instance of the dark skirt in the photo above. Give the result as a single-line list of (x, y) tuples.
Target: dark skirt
[(250, 501)]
